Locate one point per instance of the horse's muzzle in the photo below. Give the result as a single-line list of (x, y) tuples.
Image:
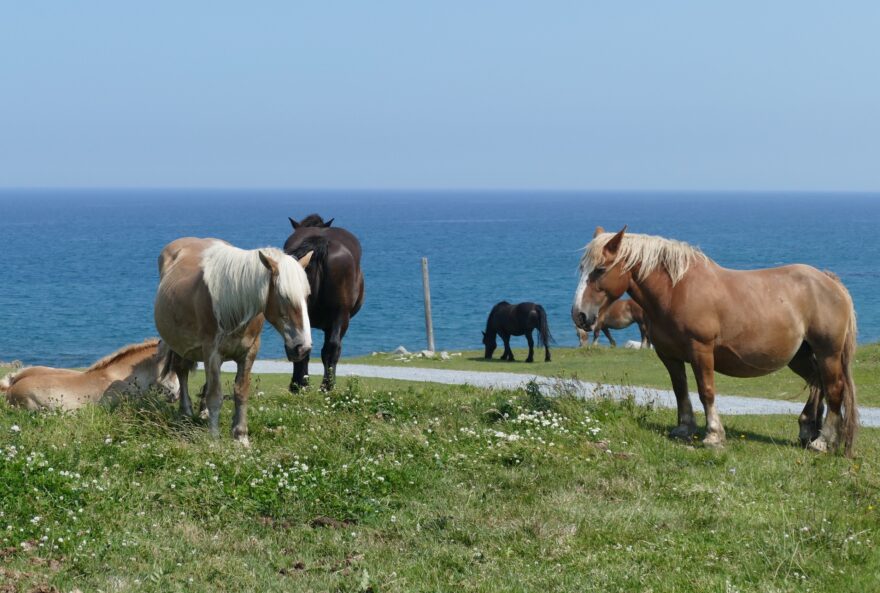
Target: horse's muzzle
[(585, 323), (297, 353)]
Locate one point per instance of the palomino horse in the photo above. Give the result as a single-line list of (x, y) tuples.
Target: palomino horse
[(740, 323), (210, 307), (515, 320), (337, 285), (132, 370), (620, 315)]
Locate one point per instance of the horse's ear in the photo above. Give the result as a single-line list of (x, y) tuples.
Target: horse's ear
[(484, 333), (599, 231), (613, 244), (328, 223), (293, 223), (269, 263), (304, 260)]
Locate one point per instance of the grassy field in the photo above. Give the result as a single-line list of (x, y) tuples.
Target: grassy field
[(638, 367), (394, 486)]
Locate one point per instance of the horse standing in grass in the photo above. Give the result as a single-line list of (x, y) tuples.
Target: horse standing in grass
[(337, 285), (132, 370), (620, 315), (516, 320), (740, 323), (211, 305)]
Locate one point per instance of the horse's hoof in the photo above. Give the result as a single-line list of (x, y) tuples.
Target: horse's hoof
[(714, 440), (819, 446), (530, 360), (204, 414), (683, 432), (243, 441)]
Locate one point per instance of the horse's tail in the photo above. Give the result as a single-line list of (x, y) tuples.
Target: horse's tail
[(544, 336), (851, 417)]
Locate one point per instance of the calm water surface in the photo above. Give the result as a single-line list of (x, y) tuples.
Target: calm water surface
[(80, 266)]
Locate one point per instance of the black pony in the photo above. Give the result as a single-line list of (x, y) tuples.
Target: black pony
[(337, 285), (515, 320)]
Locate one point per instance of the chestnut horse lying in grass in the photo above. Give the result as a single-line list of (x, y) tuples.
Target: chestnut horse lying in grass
[(740, 323), (132, 370)]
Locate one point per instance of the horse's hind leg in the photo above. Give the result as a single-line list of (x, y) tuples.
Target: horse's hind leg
[(531, 357), (331, 351), (608, 335), (810, 420), (678, 375), (185, 404), (213, 389)]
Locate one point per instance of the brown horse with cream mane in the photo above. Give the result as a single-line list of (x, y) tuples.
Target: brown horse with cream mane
[(132, 370), (210, 306), (739, 323)]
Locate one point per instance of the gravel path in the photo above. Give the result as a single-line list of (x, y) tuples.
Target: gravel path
[(727, 404)]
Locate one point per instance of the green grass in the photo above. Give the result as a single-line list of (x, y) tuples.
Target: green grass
[(394, 486), (639, 367)]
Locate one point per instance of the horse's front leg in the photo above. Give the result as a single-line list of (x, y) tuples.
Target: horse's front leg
[(508, 353), (677, 373), (331, 351), (704, 370), (300, 378), (531, 357), (241, 392)]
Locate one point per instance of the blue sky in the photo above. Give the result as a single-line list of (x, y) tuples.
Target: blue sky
[(781, 95)]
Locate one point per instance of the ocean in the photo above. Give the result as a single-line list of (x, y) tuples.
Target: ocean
[(79, 267)]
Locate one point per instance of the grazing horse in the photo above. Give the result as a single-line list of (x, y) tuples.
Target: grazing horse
[(337, 285), (515, 320), (210, 306), (739, 323), (132, 370), (619, 315)]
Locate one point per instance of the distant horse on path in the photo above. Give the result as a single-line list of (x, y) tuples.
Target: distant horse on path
[(132, 370), (740, 323), (211, 305), (337, 285), (620, 315), (516, 320)]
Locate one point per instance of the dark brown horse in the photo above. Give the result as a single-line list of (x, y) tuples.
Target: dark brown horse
[(516, 320), (740, 323), (337, 285), (620, 315)]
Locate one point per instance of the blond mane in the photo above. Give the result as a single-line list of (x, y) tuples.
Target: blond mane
[(239, 282), (122, 353), (647, 251)]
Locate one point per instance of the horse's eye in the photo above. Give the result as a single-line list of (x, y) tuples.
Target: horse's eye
[(598, 272)]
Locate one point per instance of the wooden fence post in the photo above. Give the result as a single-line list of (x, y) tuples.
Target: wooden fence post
[(429, 325)]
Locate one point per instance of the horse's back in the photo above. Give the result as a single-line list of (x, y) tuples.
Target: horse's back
[(183, 311), (38, 388)]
